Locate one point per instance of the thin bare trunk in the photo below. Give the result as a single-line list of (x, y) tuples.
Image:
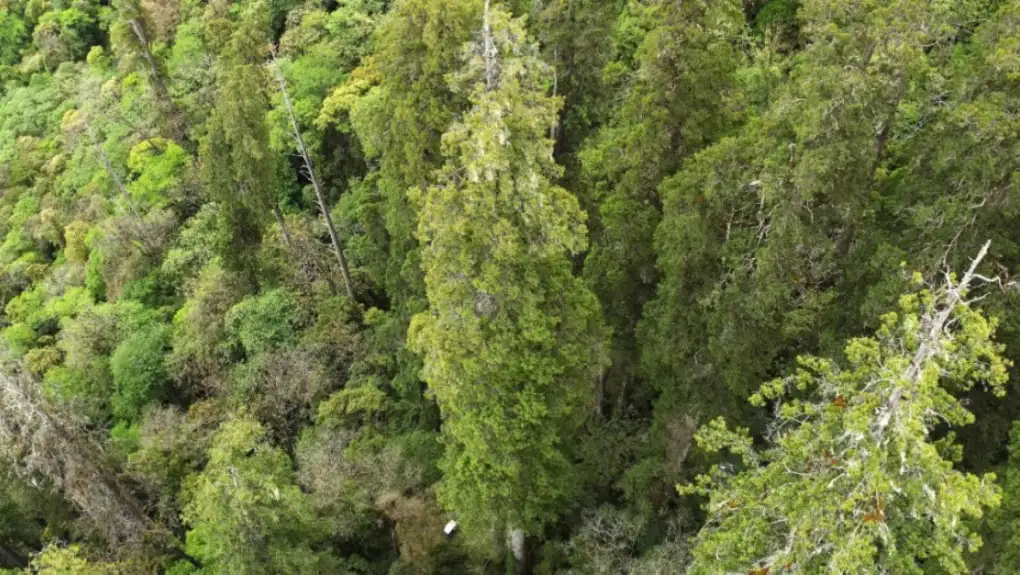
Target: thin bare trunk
[(600, 390), (932, 342), (278, 215), (489, 53), (554, 129), (156, 77), (319, 195), (516, 543)]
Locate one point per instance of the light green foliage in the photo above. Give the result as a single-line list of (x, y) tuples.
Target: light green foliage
[(69, 561), (63, 35), (247, 493), (851, 481), (33, 315), (321, 49), (511, 334), (75, 249), (124, 439), (89, 336), (159, 165), (17, 243)]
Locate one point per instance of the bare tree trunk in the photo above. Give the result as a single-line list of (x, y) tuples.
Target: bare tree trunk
[(931, 343), (621, 397), (489, 53), (319, 195), (156, 77), (516, 544), (554, 129)]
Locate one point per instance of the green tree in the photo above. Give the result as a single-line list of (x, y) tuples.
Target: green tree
[(65, 35), (139, 371), (512, 339), (771, 242), (852, 480), (236, 160), (12, 37), (400, 121), (676, 101), (246, 512), (69, 561)]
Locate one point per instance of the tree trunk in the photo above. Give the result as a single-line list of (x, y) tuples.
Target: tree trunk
[(319, 195), (156, 77), (518, 550)]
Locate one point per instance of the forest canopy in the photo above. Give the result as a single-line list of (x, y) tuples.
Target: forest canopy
[(609, 287)]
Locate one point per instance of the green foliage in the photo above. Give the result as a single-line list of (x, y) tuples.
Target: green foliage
[(237, 166), (576, 237), (69, 561), (851, 480), (247, 493), (770, 243), (158, 165), (266, 321), (509, 338), (12, 37), (400, 121), (678, 98), (64, 35), (139, 371)]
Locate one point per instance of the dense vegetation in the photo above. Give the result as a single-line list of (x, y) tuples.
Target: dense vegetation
[(620, 286)]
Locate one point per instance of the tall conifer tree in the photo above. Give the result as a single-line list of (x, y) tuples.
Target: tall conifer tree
[(400, 121), (852, 481), (236, 161), (676, 101), (512, 339)]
